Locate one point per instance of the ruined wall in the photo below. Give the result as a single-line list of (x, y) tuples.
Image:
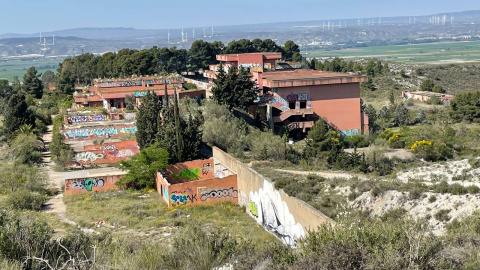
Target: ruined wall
[(203, 169), (287, 217), (107, 152), (95, 132), (205, 191), (90, 184)]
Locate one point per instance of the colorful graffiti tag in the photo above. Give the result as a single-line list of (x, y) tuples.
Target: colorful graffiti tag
[(87, 156), (130, 116), (120, 84), (273, 213), (294, 97), (82, 133), (350, 132), (87, 118), (87, 184), (189, 174), (219, 193), (181, 198), (125, 153)]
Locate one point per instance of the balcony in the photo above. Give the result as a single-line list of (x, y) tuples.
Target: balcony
[(300, 125)]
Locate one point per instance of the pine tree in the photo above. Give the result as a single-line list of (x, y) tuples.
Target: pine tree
[(235, 88), (17, 114), (32, 84), (147, 119), (401, 115)]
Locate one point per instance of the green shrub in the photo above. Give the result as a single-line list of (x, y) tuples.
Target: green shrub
[(25, 200), (386, 134), (473, 189), (442, 215), (432, 198)]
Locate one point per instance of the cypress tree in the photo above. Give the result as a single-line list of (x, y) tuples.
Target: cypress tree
[(178, 128), (32, 84), (17, 114), (147, 119)]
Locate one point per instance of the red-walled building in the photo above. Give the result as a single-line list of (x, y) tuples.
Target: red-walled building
[(296, 98), (197, 182)]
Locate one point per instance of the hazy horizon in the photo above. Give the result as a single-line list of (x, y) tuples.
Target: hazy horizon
[(54, 15)]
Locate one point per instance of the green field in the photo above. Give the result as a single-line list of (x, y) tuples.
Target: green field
[(18, 67), (431, 53)]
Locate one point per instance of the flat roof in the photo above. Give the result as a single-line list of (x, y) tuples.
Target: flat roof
[(236, 56), (108, 171), (303, 77)]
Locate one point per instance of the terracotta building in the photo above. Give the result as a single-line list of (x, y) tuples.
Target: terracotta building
[(296, 98)]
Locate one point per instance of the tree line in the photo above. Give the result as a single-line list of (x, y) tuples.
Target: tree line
[(83, 68)]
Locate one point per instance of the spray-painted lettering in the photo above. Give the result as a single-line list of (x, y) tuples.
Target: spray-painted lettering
[(125, 153), (87, 184), (180, 198), (87, 156), (108, 147), (130, 116), (219, 193)]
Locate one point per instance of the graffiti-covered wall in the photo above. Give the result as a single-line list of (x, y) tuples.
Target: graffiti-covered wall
[(107, 152), (95, 132), (91, 184), (287, 217), (197, 181)]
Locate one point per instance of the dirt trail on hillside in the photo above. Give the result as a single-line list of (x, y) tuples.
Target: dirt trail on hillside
[(328, 175), (55, 179)]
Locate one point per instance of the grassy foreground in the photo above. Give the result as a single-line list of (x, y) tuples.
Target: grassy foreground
[(146, 216)]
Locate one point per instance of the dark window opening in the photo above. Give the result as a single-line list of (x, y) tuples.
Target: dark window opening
[(291, 105), (303, 104)]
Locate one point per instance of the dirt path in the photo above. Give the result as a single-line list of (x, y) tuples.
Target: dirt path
[(328, 175), (55, 204)]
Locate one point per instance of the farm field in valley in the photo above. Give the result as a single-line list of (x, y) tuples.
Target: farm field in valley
[(431, 53), (18, 67)]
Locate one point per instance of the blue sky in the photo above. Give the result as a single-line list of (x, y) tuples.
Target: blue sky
[(31, 16)]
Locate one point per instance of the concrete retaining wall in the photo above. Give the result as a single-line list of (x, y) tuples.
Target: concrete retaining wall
[(287, 217)]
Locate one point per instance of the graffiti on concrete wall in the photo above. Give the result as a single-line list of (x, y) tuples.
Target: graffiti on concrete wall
[(189, 174), (120, 84), (87, 118), (125, 153), (268, 209), (183, 197), (208, 194), (87, 184), (130, 116), (108, 147), (165, 191), (294, 97), (87, 157), (81, 133), (350, 132)]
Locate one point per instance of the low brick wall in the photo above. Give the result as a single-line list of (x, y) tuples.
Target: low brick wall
[(91, 184)]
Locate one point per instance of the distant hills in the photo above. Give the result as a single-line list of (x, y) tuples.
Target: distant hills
[(322, 34)]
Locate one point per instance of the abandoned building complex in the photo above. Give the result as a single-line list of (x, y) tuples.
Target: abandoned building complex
[(295, 98), (426, 96), (110, 93)]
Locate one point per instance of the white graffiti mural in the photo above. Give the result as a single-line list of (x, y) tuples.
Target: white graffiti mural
[(129, 116), (87, 156), (268, 209), (125, 153)]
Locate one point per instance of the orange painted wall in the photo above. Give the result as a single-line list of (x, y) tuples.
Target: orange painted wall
[(338, 103), (205, 191), (107, 153), (90, 184)]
